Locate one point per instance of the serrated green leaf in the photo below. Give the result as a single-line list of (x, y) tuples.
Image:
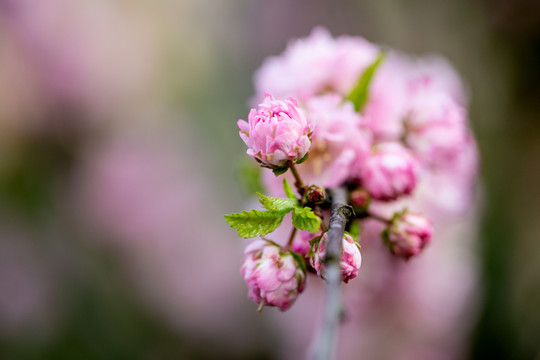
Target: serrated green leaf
[(359, 95), (303, 159), (288, 190), (254, 223), (277, 204), (304, 218)]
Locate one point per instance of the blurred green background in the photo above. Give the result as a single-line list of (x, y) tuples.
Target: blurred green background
[(119, 152)]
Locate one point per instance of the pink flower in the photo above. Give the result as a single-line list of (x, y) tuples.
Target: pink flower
[(436, 128), (408, 234), (316, 64), (340, 145), (273, 275), (386, 107), (390, 172), (301, 242), (351, 259), (277, 134)]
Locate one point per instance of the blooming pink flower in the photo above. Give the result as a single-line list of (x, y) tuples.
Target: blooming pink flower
[(277, 134), (386, 106), (340, 144), (408, 234), (390, 172), (351, 259), (436, 128), (273, 275), (316, 64)]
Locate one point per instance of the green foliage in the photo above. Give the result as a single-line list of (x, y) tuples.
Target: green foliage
[(303, 159), (288, 190), (250, 177), (354, 229), (281, 170), (313, 245), (277, 204), (304, 218), (359, 95), (255, 223)]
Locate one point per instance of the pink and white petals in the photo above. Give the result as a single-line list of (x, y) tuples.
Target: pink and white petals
[(408, 234), (273, 275), (351, 259), (391, 172), (277, 133)]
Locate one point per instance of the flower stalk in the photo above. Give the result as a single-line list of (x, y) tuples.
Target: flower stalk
[(341, 213)]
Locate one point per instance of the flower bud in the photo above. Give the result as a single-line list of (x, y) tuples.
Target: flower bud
[(273, 275), (360, 198), (277, 133), (350, 262), (315, 194), (408, 234), (390, 172)]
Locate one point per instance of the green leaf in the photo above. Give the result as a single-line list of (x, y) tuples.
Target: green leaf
[(359, 95), (313, 245), (250, 177), (280, 171), (277, 204), (304, 218), (354, 229), (288, 190), (303, 159), (254, 223)]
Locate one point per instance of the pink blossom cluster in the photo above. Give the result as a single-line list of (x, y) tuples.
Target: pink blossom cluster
[(404, 143)]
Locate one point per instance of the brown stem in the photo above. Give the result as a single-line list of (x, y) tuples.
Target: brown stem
[(317, 211), (298, 181), (291, 238), (340, 214), (378, 217)]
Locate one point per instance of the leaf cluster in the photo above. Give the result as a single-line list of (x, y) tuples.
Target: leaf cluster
[(255, 223)]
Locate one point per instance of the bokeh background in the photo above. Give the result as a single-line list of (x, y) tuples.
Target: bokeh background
[(120, 153)]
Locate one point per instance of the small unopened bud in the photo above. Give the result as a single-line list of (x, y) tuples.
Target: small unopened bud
[(408, 234), (350, 261), (360, 198), (274, 276), (390, 172), (315, 194)]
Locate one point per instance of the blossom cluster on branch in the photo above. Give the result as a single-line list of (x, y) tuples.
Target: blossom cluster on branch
[(346, 113)]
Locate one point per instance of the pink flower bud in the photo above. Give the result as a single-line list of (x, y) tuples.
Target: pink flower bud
[(277, 133), (360, 198), (273, 275), (408, 234), (390, 172), (315, 194), (351, 259)]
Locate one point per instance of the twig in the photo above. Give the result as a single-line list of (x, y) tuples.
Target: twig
[(299, 183), (291, 238), (340, 214)]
